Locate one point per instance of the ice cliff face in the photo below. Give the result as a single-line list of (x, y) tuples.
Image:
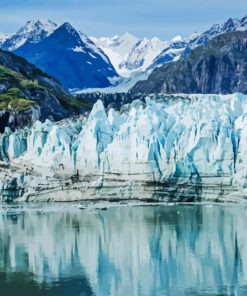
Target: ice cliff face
[(196, 139)]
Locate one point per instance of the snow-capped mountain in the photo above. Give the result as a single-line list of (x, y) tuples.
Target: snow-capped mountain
[(129, 54), (142, 55), (71, 57), (198, 139), (93, 47), (31, 32), (231, 25), (117, 48)]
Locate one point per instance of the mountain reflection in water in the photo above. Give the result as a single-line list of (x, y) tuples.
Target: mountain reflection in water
[(146, 250)]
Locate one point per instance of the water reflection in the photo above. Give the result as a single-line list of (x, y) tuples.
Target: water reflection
[(150, 250)]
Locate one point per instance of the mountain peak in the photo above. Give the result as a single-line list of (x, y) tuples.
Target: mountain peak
[(230, 25), (67, 28), (243, 21), (128, 36), (33, 31), (177, 39), (155, 39), (38, 25)]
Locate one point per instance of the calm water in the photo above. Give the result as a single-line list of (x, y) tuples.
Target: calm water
[(146, 250)]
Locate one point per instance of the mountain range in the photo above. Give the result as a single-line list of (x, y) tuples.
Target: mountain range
[(182, 46), (79, 62), (144, 55)]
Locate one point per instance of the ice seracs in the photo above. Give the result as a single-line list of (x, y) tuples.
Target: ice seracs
[(93, 140), (195, 139)]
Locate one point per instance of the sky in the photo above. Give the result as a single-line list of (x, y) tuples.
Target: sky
[(143, 18)]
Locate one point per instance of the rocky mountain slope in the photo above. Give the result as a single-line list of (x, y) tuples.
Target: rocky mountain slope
[(217, 67), (28, 94), (70, 57), (64, 53)]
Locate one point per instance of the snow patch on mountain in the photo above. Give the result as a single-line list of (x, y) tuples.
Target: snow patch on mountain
[(93, 47), (3, 37), (78, 49)]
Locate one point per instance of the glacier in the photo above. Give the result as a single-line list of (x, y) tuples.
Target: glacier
[(168, 147)]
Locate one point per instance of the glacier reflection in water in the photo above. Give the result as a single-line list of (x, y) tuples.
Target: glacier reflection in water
[(146, 250)]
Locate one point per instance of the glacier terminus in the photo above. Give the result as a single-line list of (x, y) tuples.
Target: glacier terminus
[(166, 147)]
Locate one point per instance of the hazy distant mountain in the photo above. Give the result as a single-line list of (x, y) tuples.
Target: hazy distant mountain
[(117, 48), (129, 54)]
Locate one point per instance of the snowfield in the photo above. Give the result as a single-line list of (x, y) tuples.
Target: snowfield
[(169, 147)]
